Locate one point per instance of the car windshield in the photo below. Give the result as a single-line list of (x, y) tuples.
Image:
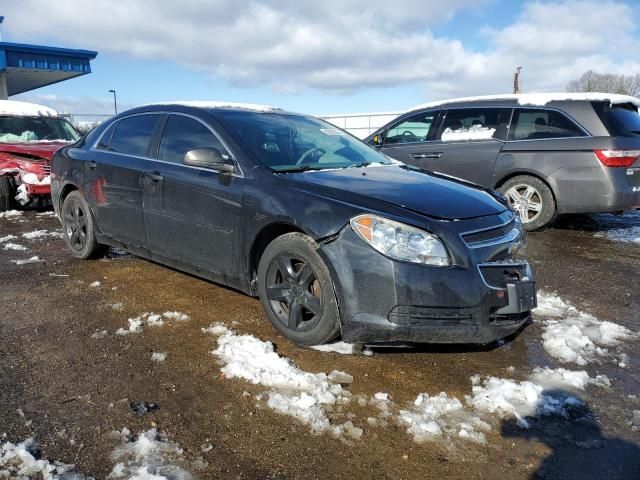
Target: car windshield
[(287, 143), (36, 129)]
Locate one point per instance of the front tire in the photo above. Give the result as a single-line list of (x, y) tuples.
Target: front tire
[(7, 194), (296, 290), (532, 200), (79, 228)]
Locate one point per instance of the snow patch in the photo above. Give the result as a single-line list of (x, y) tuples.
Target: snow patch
[(574, 336), (100, 334), (34, 259), (570, 379), (147, 456), (475, 132), (212, 104), (179, 316), (294, 392), (624, 235), (41, 234), (95, 284), (158, 357), (7, 238), (150, 319), (10, 214), (20, 461), (14, 246)]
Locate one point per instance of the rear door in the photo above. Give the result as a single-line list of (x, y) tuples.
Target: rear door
[(121, 156), (192, 214), (468, 143), (408, 139)]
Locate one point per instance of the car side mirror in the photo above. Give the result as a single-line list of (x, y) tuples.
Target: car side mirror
[(209, 158), (376, 141)]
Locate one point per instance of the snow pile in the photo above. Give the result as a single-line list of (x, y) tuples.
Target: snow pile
[(519, 399), (136, 325), (41, 234), (441, 415), (158, 357), (20, 462), (34, 259), (302, 395), (625, 235), (10, 214), (475, 132), (574, 336), (540, 99), (95, 284), (14, 246), (7, 238), (25, 109), (342, 348), (563, 378), (179, 316), (147, 456)]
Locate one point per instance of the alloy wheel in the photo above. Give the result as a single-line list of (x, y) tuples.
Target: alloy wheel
[(75, 225), (526, 201), (294, 293)]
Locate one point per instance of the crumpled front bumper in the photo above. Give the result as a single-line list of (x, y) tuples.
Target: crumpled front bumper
[(383, 300)]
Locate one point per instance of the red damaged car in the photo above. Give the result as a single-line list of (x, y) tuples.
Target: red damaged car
[(29, 136)]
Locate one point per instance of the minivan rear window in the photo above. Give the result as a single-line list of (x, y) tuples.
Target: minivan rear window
[(620, 120)]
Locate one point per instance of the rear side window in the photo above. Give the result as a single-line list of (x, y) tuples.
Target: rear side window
[(132, 135), (535, 123), (182, 134), (620, 120), (468, 124), (415, 128)]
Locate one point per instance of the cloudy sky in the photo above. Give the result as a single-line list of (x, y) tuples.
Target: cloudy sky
[(323, 56)]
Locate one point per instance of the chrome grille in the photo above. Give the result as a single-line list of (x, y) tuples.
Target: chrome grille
[(46, 168)]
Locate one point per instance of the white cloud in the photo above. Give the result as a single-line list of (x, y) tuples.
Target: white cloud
[(345, 45)]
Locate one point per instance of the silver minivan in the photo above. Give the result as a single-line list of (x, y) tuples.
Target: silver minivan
[(547, 153)]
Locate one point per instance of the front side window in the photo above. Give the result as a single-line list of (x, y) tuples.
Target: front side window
[(286, 142), (15, 129), (467, 124), (537, 123), (132, 135), (182, 134), (415, 128)]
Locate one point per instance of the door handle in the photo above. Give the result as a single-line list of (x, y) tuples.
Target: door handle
[(92, 165), (417, 156), (155, 176)]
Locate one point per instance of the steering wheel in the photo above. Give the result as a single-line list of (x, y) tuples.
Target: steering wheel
[(301, 160), (408, 135)]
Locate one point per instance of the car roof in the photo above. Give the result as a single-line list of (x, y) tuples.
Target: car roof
[(210, 106), (533, 99)]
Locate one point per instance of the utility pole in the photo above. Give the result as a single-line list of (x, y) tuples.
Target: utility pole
[(115, 103), (516, 80)]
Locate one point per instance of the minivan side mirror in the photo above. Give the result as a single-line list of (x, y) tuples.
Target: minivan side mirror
[(208, 158)]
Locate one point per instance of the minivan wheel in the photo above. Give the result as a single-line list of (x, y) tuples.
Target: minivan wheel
[(532, 200), (6, 193), (78, 227), (296, 290)]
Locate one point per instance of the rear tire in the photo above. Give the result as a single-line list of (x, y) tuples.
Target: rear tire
[(296, 290), (532, 200), (7, 194), (79, 228)]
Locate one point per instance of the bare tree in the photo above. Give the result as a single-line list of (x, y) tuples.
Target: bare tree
[(591, 81)]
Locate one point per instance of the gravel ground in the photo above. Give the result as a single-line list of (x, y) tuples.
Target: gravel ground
[(68, 385)]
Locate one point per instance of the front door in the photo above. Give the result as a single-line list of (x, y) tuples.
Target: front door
[(192, 214), (409, 138)]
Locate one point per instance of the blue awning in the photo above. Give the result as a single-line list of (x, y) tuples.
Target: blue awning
[(27, 67)]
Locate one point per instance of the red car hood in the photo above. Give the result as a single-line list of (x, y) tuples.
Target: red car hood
[(43, 150)]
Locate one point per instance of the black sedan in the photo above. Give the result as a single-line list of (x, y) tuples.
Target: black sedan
[(334, 237)]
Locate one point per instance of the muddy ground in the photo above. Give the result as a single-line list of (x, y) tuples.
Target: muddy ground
[(74, 390)]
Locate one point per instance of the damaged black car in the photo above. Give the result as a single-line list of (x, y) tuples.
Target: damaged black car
[(334, 237)]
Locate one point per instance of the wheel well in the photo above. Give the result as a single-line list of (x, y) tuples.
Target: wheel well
[(527, 174), (66, 190), (264, 238)]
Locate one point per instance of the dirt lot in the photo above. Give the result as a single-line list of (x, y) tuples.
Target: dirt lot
[(70, 391)]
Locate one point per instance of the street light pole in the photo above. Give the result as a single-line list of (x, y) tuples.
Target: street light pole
[(115, 102)]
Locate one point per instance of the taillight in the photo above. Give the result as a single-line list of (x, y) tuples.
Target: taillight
[(617, 158)]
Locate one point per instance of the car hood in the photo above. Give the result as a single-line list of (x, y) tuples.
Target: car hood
[(417, 191), (43, 150)]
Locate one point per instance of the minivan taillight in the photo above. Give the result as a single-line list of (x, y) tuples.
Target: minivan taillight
[(617, 158)]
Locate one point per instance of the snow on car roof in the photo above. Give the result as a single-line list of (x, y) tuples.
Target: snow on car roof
[(212, 105), (540, 99), (25, 109)]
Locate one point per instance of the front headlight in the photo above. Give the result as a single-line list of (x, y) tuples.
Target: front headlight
[(400, 241)]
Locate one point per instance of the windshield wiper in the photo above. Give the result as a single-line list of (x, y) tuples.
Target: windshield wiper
[(297, 168)]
